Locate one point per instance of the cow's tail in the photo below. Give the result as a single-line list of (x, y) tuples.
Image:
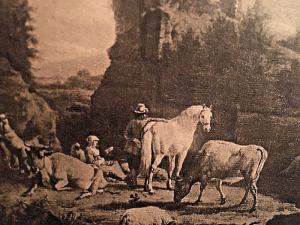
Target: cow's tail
[(263, 158), (146, 153)]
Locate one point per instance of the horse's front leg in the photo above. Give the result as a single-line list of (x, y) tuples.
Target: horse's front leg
[(153, 169), (170, 172), (181, 158), (146, 184)]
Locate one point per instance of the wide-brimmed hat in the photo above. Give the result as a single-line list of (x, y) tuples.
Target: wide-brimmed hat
[(92, 138), (141, 109), (3, 116)]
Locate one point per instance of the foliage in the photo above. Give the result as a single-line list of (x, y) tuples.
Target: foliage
[(16, 38), (292, 42), (234, 63), (83, 80)]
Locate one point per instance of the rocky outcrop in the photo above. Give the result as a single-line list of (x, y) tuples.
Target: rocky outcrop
[(136, 73), (29, 114), (158, 59)]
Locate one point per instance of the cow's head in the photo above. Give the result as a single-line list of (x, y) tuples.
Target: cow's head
[(182, 188), (37, 154)]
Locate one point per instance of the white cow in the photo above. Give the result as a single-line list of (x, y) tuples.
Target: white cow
[(221, 159)]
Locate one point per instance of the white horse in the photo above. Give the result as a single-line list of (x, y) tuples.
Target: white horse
[(170, 139)]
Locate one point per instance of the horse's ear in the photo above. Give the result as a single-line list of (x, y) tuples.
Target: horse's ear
[(210, 106)]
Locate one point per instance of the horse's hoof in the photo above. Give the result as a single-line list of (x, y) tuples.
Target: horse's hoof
[(170, 188), (242, 203), (197, 202), (151, 192), (253, 209), (223, 201)]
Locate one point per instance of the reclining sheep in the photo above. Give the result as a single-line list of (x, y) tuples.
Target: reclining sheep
[(146, 216)]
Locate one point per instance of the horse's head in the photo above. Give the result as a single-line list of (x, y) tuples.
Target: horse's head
[(205, 118)]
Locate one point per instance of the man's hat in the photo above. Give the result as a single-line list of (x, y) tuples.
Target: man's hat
[(92, 138), (77, 145), (3, 116), (141, 109)]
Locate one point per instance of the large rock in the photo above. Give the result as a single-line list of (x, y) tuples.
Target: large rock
[(28, 113), (144, 29)]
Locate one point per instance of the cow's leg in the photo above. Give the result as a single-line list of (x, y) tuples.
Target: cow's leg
[(154, 166), (170, 172), (203, 185), (253, 190), (181, 158), (62, 181), (247, 188), (222, 195), (61, 185)]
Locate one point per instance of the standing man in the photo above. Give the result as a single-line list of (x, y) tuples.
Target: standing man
[(133, 135)]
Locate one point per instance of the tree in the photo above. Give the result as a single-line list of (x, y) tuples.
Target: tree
[(16, 36)]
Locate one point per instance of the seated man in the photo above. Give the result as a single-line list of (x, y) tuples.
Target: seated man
[(110, 168), (77, 152), (92, 151)]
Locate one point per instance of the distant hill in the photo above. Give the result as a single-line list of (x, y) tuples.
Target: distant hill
[(56, 71)]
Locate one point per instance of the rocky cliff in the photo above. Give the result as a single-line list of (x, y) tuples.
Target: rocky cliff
[(171, 54), (29, 114)]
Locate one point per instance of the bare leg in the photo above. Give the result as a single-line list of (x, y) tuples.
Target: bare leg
[(222, 195), (16, 163), (170, 172), (7, 154), (253, 190), (154, 166), (202, 187)]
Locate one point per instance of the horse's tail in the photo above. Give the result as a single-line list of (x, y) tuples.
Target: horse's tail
[(146, 153)]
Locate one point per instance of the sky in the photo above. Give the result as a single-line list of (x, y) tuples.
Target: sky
[(72, 34), (76, 34)]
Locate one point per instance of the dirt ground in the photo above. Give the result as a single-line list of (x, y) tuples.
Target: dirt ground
[(108, 207)]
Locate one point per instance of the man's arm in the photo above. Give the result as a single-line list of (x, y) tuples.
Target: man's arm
[(152, 119), (128, 131)]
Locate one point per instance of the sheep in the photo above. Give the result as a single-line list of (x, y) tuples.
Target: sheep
[(146, 216)]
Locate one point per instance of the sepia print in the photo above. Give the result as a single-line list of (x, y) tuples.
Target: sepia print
[(143, 112)]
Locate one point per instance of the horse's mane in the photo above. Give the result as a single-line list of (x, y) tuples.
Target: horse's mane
[(191, 112)]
